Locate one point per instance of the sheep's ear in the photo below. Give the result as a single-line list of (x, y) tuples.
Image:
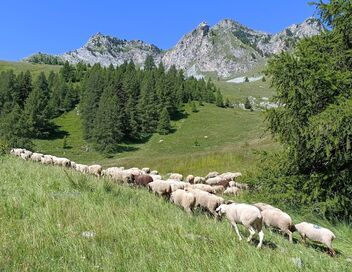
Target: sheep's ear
[(230, 202)]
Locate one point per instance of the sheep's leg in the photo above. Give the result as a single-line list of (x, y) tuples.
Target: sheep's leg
[(251, 233), (237, 231), (261, 237)]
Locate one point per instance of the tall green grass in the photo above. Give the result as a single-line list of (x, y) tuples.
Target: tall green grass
[(44, 210)]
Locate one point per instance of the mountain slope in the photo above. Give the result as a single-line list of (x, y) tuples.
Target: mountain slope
[(226, 49)]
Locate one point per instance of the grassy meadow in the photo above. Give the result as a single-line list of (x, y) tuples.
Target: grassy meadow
[(59, 220), (35, 69)]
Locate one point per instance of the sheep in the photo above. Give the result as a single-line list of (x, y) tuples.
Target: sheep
[(211, 175), (82, 168), (155, 177), (36, 157), (218, 189), (242, 186), (154, 172), (47, 159), (17, 151), (146, 170), (73, 165), (176, 176), (232, 191), (125, 176), (245, 214), (274, 217), (190, 179), (160, 187), (134, 171), (26, 155), (206, 200), (108, 172), (62, 162), (175, 184), (230, 176), (142, 180), (184, 199), (198, 180), (203, 187), (95, 169), (317, 234), (213, 181)]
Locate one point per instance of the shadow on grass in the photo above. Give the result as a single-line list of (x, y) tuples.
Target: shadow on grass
[(179, 115), (54, 132)]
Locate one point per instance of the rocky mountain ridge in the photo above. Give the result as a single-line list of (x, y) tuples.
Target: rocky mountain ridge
[(225, 49)]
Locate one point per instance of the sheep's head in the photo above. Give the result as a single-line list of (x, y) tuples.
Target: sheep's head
[(221, 209)]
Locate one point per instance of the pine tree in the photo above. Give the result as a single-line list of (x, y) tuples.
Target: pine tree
[(246, 79), (108, 125), (24, 87), (164, 126), (247, 104), (263, 79), (193, 107), (219, 99), (149, 63), (36, 108), (227, 103)]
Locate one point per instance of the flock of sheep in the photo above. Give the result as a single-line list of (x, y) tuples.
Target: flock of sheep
[(200, 192)]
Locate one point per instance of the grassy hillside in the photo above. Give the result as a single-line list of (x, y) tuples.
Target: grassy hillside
[(19, 67), (44, 213), (213, 138)]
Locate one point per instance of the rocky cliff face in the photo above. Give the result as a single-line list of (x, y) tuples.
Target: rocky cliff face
[(225, 49), (108, 50)]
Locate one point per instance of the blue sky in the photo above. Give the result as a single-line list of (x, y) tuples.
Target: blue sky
[(57, 26)]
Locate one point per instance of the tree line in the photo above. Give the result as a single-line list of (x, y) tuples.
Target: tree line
[(116, 104)]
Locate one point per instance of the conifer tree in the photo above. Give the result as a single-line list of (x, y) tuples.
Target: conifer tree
[(164, 125), (219, 99), (149, 63)]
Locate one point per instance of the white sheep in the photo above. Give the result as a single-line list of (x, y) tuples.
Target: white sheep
[(26, 155), (95, 169), (17, 151), (274, 217), (155, 177), (203, 187), (206, 200), (211, 175), (125, 176), (146, 170), (62, 162), (47, 159), (108, 172), (245, 214), (184, 199), (154, 172), (242, 186), (198, 180), (176, 176), (230, 176), (218, 189), (82, 168), (160, 187), (175, 184), (317, 234), (214, 181), (232, 191), (190, 179), (37, 157)]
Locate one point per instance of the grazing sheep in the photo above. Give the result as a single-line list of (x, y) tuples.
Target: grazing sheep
[(232, 191), (134, 171), (218, 189), (317, 234), (229, 176), (213, 181), (242, 186), (190, 179), (206, 200), (245, 214), (109, 172), (82, 168), (37, 157), (211, 175), (73, 165), (62, 162), (125, 176), (184, 199), (17, 151), (47, 159), (198, 180), (26, 155), (142, 180), (154, 172), (274, 217), (146, 170), (160, 187), (203, 187), (155, 177), (95, 169), (176, 176), (175, 184)]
